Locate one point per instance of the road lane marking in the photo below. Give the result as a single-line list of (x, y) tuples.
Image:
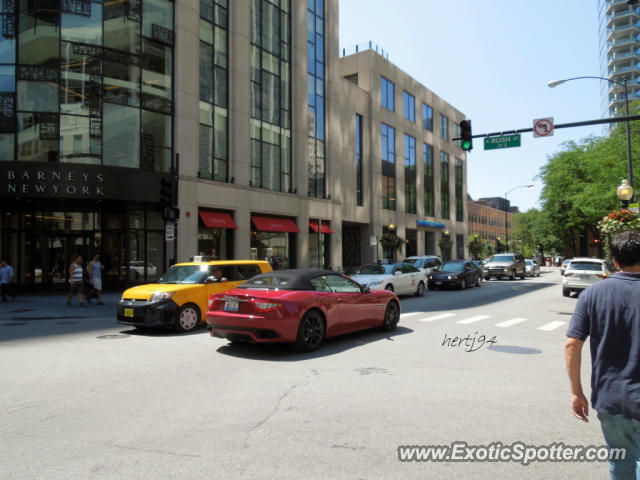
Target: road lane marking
[(474, 319), (551, 326), (411, 314), (509, 323), (438, 317)]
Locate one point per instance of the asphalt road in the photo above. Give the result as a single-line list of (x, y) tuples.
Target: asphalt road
[(85, 398)]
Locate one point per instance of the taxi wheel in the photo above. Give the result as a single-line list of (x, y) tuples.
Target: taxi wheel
[(188, 318), (420, 290)]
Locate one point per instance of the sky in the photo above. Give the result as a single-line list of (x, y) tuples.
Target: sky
[(492, 60)]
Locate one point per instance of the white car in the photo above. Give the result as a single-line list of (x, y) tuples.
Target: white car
[(582, 273), (137, 268), (401, 278), (426, 263)]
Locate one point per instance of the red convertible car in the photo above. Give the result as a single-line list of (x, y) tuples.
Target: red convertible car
[(301, 306)]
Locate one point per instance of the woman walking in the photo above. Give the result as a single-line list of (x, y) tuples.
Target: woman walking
[(75, 281)]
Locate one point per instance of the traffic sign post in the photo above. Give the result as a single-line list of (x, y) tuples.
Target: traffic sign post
[(502, 141)]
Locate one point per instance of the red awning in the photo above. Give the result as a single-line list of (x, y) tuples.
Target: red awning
[(217, 219), (273, 224), (324, 227)]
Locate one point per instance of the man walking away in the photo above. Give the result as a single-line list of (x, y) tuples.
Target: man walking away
[(95, 277), (75, 281), (609, 312), (6, 280)]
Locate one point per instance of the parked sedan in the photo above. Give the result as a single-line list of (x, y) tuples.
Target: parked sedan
[(301, 306), (457, 273), (582, 273), (532, 268), (401, 278), (426, 263)]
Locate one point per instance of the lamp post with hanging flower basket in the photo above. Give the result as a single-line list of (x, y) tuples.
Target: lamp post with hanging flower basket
[(617, 222)]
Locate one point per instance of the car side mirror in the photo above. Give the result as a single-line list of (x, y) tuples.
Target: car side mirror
[(366, 289)]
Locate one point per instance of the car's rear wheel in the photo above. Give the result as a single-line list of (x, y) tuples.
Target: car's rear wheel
[(463, 284), (566, 292), (512, 275), (188, 318), (310, 332), (523, 275), (391, 316), (478, 281), (420, 290), (389, 287)]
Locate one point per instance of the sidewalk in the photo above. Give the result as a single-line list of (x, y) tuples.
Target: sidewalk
[(54, 305)]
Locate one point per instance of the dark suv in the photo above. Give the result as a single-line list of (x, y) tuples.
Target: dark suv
[(504, 265)]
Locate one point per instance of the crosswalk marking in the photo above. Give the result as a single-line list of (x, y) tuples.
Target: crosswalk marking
[(551, 326), (438, 317), (477, 318), (411, 314), (513, 321)]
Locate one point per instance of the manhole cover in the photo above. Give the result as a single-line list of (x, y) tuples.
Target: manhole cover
[(67, 323), (515, 349), (21, 310), (12, 324), (113, 337)]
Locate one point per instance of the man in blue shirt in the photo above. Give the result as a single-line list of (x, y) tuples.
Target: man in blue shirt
[(609, 312), (6, 279)]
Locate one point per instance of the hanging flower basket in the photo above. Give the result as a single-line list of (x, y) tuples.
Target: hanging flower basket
[(615, 223), (389, 240), (445, 243)]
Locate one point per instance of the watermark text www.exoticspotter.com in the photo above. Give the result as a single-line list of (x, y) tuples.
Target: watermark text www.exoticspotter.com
[(516, 452)]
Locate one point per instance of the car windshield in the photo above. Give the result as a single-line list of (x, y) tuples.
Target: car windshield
[(184, 274), (416, 262), (591, 266), (376, 270), (268, 281), (453, 267), (502, 258), (566, 262), (529, 262)]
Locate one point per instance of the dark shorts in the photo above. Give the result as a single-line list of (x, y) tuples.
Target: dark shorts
[(75, 287)]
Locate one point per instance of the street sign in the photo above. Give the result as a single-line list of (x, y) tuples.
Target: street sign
[(373, 240), (169, 232), (503, 141), (543, 127)]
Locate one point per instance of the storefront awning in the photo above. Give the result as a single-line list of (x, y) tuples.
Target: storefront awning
[(217, 220), (273, 224), (324, 227)]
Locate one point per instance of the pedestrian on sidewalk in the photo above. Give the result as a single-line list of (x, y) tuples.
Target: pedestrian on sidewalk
[(76, 280), (609, 312), (95, 278), (6, 281)]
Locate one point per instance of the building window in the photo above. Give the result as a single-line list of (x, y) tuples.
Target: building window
[(409, 106), (459, 196), (270, 127), (427, 117), (456, 134), (429, 183), (315, 99), (410, 201), (388, 167), (213, 138), (444, 127), (359, 184), (460, 246), (387, 92), (444, 185)]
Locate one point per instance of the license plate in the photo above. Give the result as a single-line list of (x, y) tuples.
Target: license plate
[(231, 305), (585, 277), (438, 283), (128, 312)]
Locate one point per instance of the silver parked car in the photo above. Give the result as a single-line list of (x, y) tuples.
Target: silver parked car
[(582, 273), (426, 263), (532, 268)]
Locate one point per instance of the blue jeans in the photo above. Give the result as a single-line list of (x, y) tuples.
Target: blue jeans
[(622, 433)]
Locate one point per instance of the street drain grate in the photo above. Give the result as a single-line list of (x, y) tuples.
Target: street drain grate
[(12, 324), (515, 349), (113, 337)]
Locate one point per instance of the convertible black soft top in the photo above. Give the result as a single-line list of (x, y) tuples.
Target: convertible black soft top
[(292, 279)]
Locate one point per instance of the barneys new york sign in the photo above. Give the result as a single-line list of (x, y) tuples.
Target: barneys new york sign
[(78, 182)]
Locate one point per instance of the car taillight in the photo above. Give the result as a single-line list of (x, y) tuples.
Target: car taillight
[(212, 301), (568, 274), (264, 306), (601, 275)]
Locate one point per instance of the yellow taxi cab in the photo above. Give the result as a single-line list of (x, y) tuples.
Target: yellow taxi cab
[(180, 297)]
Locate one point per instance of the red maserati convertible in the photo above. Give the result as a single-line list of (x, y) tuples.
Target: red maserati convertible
[(301, 306)]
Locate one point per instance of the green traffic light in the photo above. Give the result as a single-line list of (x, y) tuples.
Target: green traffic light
[(466, 144)]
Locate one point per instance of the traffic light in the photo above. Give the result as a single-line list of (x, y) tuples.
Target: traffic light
[(466, 137), (166, 191)]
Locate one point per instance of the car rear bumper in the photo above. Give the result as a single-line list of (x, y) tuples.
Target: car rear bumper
[(443, 283), (249, 328), (147, 314)]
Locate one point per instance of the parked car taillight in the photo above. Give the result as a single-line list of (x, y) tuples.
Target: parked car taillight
[(212, 302), (601, 275), (264, 306), (568, 274)]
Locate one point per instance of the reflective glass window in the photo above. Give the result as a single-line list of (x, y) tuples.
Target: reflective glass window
[(37, 96), (158, 13), (121, 147), (121, 83), (39, 36), (6, 146), (7, 43), (37, 137), (77, 145), (156, 142), (157, 61), (83, 29), (120, 31)]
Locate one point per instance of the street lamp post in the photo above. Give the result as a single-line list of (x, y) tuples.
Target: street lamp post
[(624, 193), (506, 211), (555, 83)]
